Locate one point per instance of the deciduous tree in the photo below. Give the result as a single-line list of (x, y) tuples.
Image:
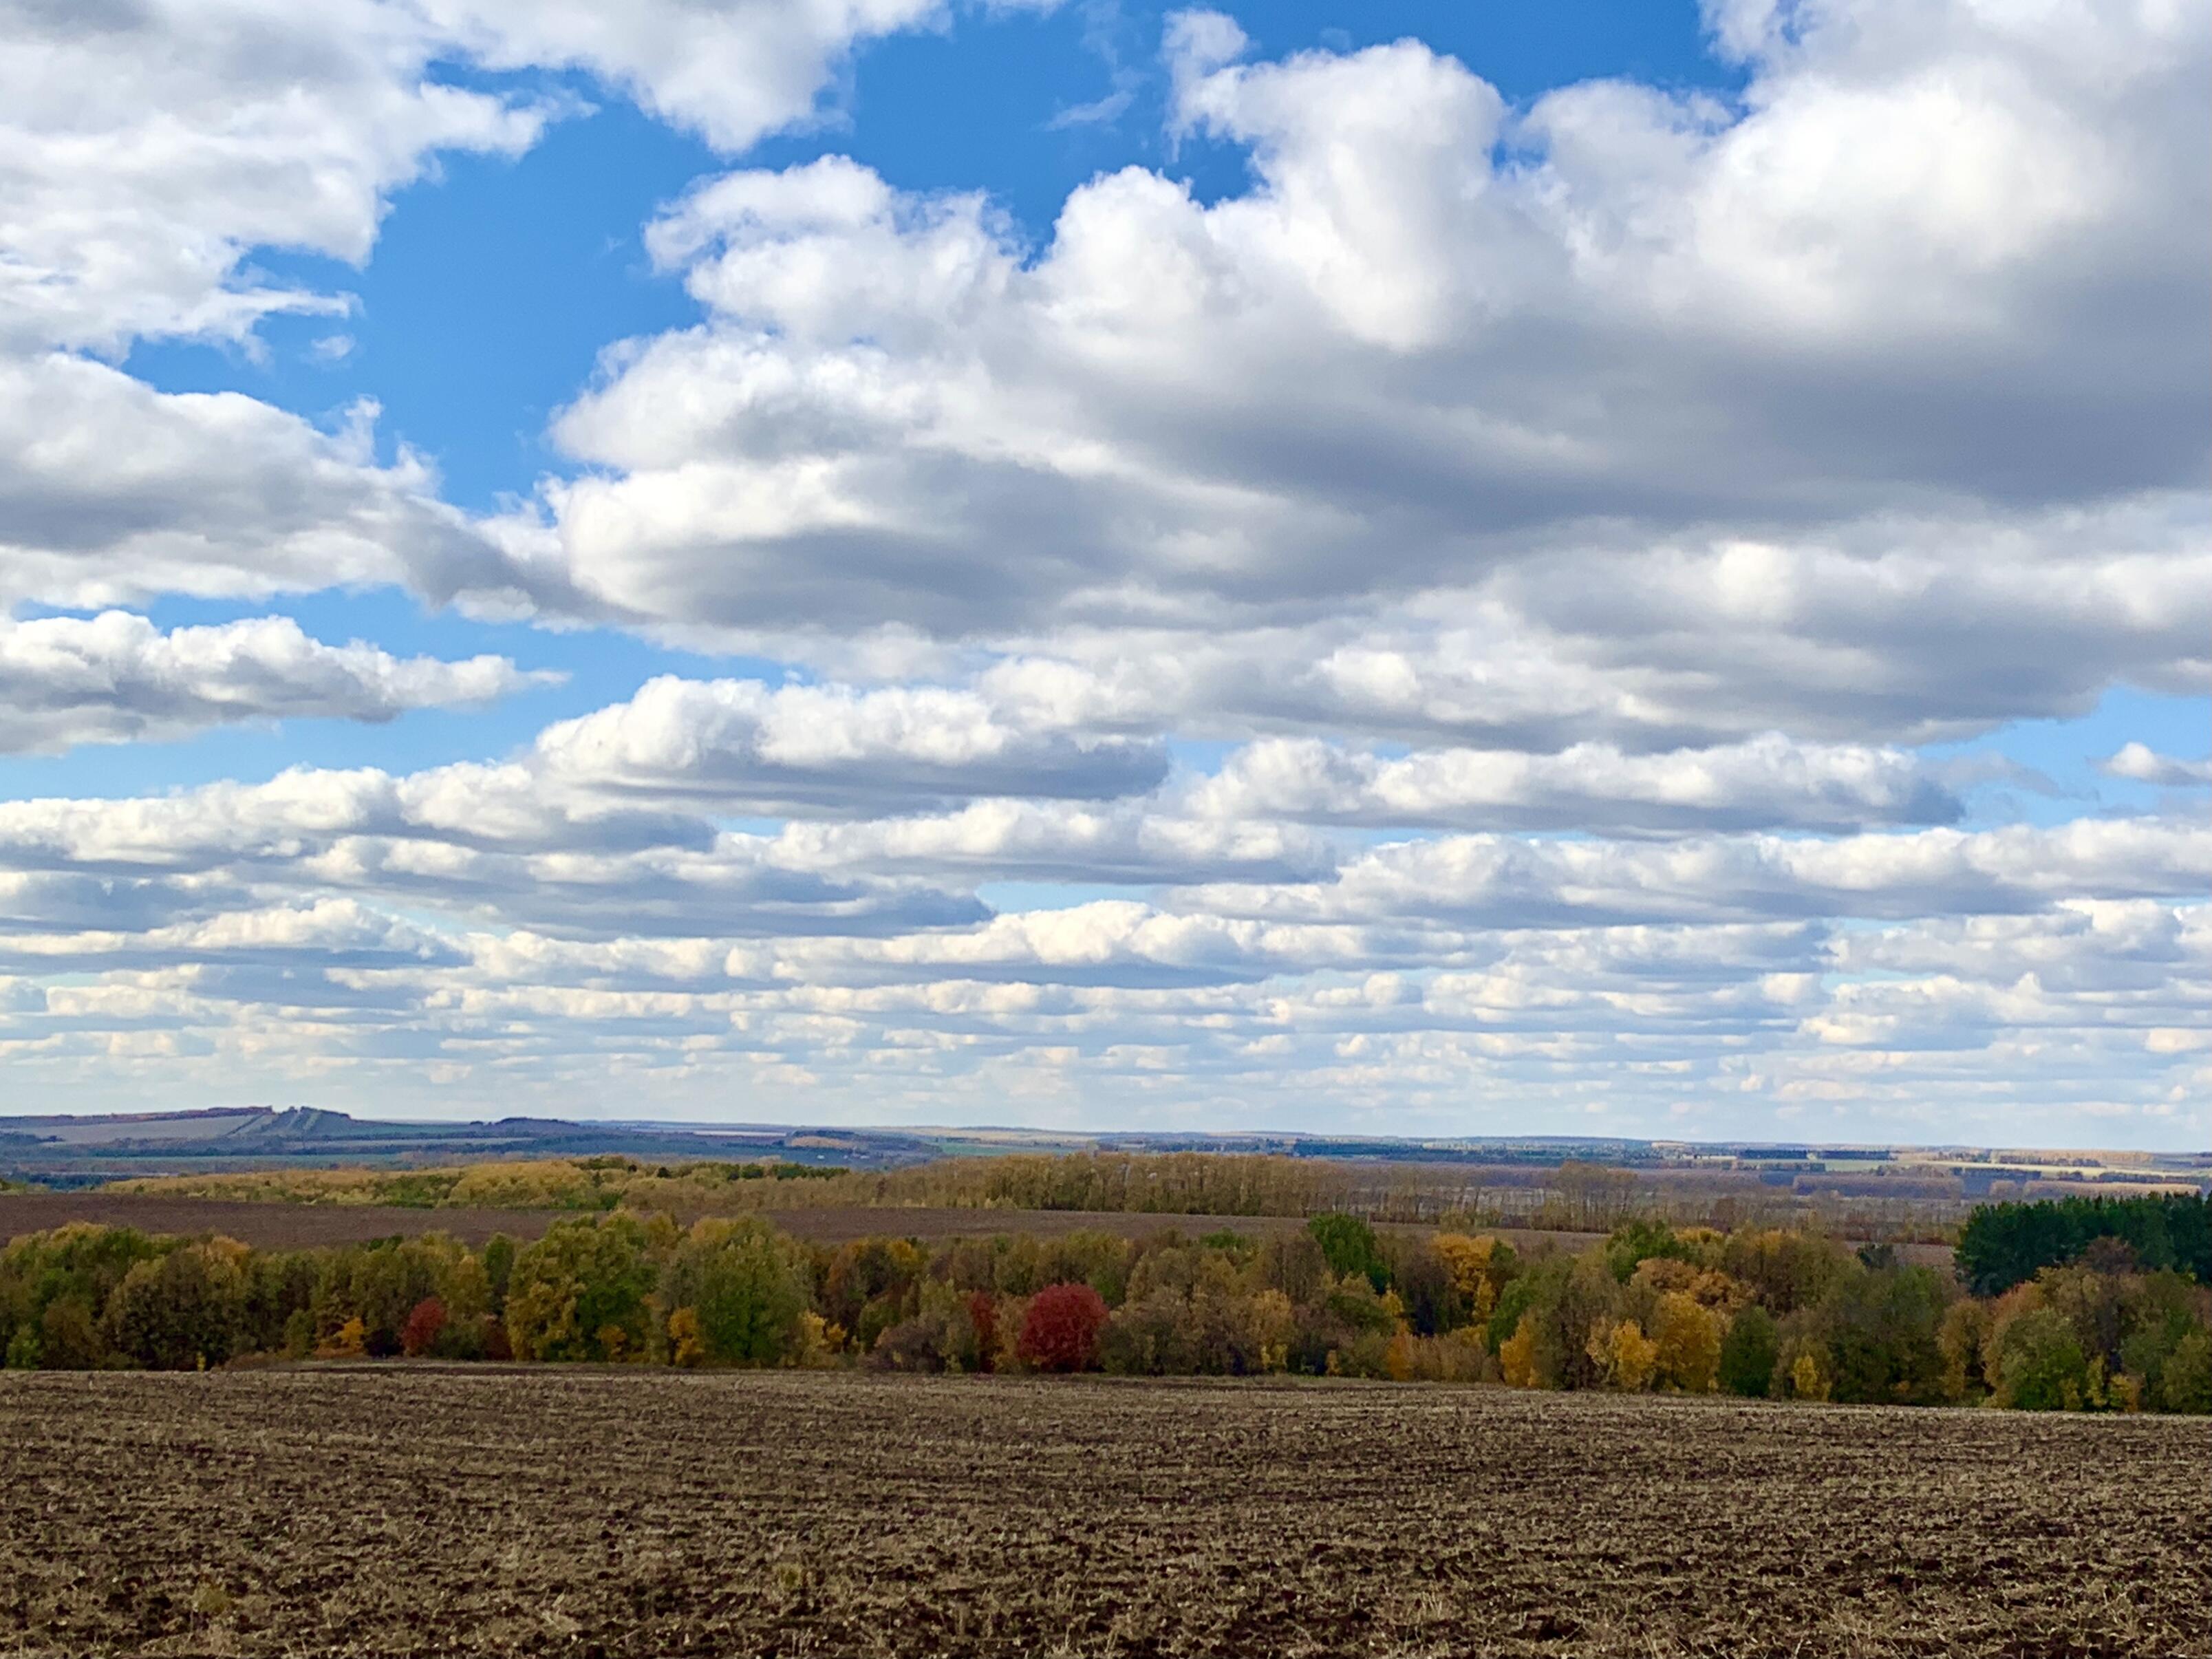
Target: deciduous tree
[(1059, 1330)]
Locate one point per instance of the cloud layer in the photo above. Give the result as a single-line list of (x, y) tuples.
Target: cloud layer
[(1453, 634)]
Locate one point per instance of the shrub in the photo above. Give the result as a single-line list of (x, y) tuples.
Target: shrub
[(1060, 1331), (1458, 1358), (920, 1344), (944, 1336), (1210, 1330)]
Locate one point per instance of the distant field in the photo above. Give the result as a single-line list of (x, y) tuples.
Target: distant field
[(289, 1226), (298, 1226), (265, 1226), (403, 1510)]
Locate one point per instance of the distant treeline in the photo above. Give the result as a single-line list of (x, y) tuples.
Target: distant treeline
[(2003, 1245), (1571, 1196), (1758, 1311)]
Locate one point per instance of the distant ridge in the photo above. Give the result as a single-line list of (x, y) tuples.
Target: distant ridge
[(66, 1150)]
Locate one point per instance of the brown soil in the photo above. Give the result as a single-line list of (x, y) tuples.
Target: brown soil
[(293, 1226), (297, 1226), (407, 1511), (265, 1226)]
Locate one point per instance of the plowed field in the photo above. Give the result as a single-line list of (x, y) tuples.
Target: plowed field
[(272, 1226), (398, 1511)]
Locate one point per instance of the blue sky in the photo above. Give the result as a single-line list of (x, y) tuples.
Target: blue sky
[(1094, 563)]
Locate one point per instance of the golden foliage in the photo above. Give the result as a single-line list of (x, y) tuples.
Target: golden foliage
[(817, 1342), (1516, 1355), (1687, 1336), (1808, 1380), (686, 1347), (1627, 1357), (1477, 1269), (1708, 1287)]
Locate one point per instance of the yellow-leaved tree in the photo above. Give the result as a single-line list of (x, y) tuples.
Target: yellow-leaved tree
[(1478, 1265), (1687, 1338), (1627, 1357), (1516, 1355), (686, 1346)]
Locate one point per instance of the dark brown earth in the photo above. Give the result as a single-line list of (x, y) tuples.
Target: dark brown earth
[(298, 1227), (397, 1511), (265, 1226), (295, 1226)]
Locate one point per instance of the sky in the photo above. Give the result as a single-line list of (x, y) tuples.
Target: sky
[(1495, 568)]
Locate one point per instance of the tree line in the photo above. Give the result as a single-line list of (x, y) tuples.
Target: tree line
[(1572, 1196), (2003, 1245), (606, 1182), (1757, 1312)]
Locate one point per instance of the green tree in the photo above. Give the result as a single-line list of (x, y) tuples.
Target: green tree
[(1881, 1330), (1640, 1241), (2186, 1385), (183, 1309), (54, 1287), (748, 1284), (1349, 1246), (499, 1267), (2003, 1245), (1787, 1269), (581, 1292), (2040, 1365), (1427, 1289), (1748, 1352)]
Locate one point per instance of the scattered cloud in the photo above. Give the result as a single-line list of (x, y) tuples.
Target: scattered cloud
[(117, 678), (2138, 762)]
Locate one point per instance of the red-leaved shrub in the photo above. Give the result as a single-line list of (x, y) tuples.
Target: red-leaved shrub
[(1060, 1333), (422, 1326)]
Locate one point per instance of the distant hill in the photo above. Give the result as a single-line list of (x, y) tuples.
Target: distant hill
[(66, 1151), (72, 1149)]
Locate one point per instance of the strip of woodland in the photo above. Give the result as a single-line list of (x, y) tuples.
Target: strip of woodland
[(2101, 1323), (1574, 1196)]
